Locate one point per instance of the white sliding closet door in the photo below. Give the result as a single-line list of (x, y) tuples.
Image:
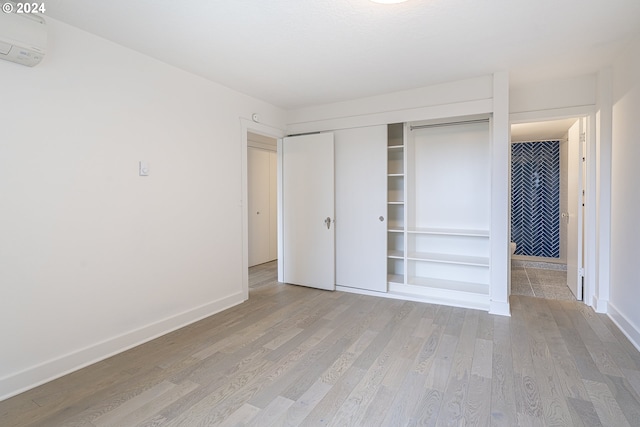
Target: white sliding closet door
[(361, 208), (308, 211)]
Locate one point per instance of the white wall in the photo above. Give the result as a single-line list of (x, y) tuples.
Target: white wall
[(94, 258), (625, 197), (573, 92), (458, 98)]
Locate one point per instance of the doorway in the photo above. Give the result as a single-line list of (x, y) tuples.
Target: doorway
[(262, 199), (547, 188), (255, 135)]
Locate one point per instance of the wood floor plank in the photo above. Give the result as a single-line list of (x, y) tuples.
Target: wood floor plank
[(256, 384), (144, 412), (527, 394), (482, 364), (240, 417), (503, 404), (623, 341), (477, 411), (355, 407), (583, 413), (605, 404), (332, 401), (271, 413), (633, 377), (304, 404), (426, 355), (455, 396), (554, 404), (428, 407), (485, 326), (406, 400), (112, 417), (626, 397), (565, 367)]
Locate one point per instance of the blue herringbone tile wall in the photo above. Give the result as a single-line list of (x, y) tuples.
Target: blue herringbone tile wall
[(535, 198)]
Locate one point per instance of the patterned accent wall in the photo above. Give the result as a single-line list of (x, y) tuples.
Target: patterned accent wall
[(535, 198)]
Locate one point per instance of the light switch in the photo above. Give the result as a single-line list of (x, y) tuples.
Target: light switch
[(143, 168)]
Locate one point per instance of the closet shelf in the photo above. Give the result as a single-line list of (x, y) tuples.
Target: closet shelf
[(395, 254), (395, 278), (448, 259), (449, 232)]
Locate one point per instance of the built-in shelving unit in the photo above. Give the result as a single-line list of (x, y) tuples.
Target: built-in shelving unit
[(439, 216), (396, 196)]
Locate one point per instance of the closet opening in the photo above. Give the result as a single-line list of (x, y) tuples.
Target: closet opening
[(548, 176)]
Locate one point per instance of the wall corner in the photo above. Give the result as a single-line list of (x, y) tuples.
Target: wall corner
[(500, 260)]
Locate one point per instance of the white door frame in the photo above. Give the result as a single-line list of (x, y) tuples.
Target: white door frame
[(589, 220), (247, 125)]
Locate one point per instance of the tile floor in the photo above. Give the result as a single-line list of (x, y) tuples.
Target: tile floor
[(540, 280)]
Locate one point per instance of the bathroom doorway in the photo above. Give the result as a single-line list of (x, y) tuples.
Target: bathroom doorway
[(547, 186)]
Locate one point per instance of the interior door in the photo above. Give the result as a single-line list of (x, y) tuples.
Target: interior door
[(574, 208), (258, 204), (361, 205), (308, 211)]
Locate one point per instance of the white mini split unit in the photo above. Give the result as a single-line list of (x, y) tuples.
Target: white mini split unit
[(23, 38)]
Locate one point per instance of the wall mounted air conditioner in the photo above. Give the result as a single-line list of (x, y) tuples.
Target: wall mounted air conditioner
[(23, 38)]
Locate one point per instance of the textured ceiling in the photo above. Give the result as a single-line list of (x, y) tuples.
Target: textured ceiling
[(295, 53)]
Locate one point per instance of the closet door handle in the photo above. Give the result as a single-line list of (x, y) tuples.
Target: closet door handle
[(328, 222), (381, 218)]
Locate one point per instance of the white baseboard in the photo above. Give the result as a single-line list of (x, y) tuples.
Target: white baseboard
[(500, 308), (475, 302), (34, 376), (627, 327), (360, 291), (600, 305)]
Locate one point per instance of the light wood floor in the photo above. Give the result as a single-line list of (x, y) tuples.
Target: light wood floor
[(299, 356)]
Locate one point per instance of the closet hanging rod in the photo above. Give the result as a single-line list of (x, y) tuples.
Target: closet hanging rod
[(437, 125)]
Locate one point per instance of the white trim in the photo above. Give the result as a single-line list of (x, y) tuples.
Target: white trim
[(500, 271), (432, 112), (551, 114), (247, 125), (280, 203), (602, 196), (599, 305), (262, 146), (44, 372), (361, 291), (627, 327), (500, 308), (590, 221), (426, 296)]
